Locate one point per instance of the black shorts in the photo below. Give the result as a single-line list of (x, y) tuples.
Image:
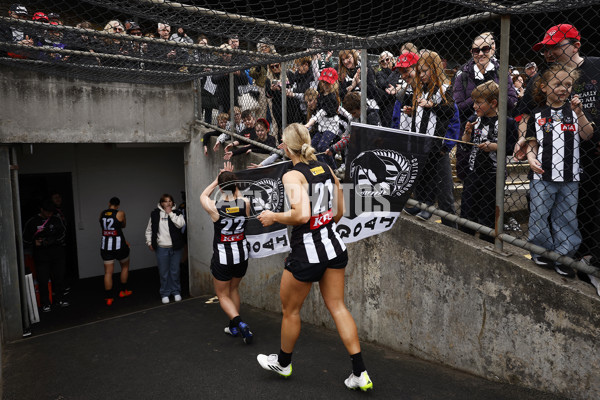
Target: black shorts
[(307, 272), (111, 255), (227, 272)]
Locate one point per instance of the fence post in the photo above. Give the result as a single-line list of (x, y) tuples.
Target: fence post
[(502, 114), (231, 103), (364, 68), (198, 99), (283, 80)]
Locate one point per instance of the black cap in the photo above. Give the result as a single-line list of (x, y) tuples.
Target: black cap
[(18, 9)]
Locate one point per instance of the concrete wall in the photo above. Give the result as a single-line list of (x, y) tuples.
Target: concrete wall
[(137, 174), (433, 292), (40, 108)]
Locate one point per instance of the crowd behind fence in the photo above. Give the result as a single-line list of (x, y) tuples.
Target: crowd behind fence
[(514, 84)]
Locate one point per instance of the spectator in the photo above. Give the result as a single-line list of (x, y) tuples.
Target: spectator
[(45, 234), (481, 68), (222, 120), (432, 110), (234, 42), (16, 34), (478, 201), (402, 114), (273, 86), (349, 77), (54, 17), (165, 238), (239, 127), (409, 48), (50, 38), (222, 81), (259, 75), (310, 98), (553, 136), (83, 42), (320, 60), (262, 135), (249, 132), (301, 81), (531, 69), (386, 80), (113, 46)]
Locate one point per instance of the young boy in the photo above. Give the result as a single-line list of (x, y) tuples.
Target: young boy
[(262, 135), (249, 131), (478, 200), (222, 120)]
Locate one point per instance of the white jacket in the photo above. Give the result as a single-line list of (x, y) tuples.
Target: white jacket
[(164, 237)]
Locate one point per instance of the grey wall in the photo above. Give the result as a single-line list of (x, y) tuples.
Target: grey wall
[(42, 108), (436, 293), (137, 175)]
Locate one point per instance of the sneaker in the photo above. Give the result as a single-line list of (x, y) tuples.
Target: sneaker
[(245, 331), (362, 382), (125, 293), (565, 271), (109, 301), (46, 308), (542, 261), (411, 210), (165, 300), (271, 363), (64, 303), (177, 297), (233, 331), (424, 215)]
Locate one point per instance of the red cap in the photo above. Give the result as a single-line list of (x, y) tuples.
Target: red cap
[(557, 34), (329, 75), (265, 122), (40, 16), (406, 60)]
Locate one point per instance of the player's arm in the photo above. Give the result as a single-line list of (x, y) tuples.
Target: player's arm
[(299, 212), (121, 218), (338, 198)]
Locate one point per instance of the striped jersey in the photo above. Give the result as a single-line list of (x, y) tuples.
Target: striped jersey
[(112, 231), (425, 120), (317, 240), (484, 130), (229, 243), (557, 133)]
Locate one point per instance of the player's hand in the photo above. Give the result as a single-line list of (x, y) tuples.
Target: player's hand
[(267, 218), (227, 166)]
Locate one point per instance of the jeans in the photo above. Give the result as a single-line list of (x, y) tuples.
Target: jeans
[(557, 200), (321, 142), (168, 270)]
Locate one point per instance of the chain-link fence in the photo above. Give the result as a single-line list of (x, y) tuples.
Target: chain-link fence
[(479, 73)]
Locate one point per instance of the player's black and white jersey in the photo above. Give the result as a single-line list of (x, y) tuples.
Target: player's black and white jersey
[(557, 133), (317, 240), (112, 231), (229, 243)]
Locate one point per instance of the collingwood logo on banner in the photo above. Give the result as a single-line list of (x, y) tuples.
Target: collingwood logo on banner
[(265, 194), (383, 173)]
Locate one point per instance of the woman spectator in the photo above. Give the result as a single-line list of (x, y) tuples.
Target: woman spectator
[(165, 238), (259, 75), (349, 77), (273, 85), (222, 81), (386, 79), (301, 80), (519, 85), (482, 68)]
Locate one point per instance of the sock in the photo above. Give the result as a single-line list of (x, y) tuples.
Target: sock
[(284, 358), (358, 366), (236, 321), (124, 286), (108, 294)]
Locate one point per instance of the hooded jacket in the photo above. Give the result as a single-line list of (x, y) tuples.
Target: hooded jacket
[(164, 230)]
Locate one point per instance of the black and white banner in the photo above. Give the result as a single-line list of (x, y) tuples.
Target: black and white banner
[(264, 189), (382, 166)]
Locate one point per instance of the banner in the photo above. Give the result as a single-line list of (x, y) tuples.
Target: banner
[(382, 166), (264, 189)]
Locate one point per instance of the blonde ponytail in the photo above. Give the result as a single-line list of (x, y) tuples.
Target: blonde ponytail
[(297, 140)]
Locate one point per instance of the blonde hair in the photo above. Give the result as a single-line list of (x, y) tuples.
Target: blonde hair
[(343, 71), (545, 77), (297, 140), (409, 47), (488, 91), (223, 116), (438, 77)]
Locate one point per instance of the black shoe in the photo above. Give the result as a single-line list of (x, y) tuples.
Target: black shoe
[(424, 215), (565, 271), (411, 210), (542, 261)]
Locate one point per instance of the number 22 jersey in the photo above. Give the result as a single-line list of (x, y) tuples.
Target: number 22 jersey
[(229, 244)]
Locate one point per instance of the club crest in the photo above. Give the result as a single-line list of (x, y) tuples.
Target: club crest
[(383, 173)]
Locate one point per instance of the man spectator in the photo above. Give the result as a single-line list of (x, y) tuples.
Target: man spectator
[(45, 234), (16, 34), (531, 69), (562, 44), (234, 42)]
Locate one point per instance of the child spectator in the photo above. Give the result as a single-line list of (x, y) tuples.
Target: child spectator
[(327, 115), (262, 135), (479, 191), (222, 120), (248, 132), (553, 136), (239, 127)]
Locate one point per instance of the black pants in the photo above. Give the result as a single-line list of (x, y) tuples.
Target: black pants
[(435, 183), (50, 263), (478, 201)]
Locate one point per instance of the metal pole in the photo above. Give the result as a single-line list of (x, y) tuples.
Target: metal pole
[(14, 175), (283, 79), (364, 68), (231, 103), (502, 115)]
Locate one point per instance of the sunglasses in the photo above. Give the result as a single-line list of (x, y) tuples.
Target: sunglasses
[(484, 49), (274, 66), (385, 61)]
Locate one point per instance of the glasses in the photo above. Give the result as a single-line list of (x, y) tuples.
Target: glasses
[(135, 33), (549, 49), (274, 66), (385, 61), (117, 29), (484, 49)]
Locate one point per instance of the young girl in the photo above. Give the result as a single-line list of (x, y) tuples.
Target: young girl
[(262, 135), (327, 115), (432, 109), (230, 247), (553, 136)]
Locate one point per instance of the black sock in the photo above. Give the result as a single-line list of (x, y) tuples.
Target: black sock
[(284, 358), (108, 294), (236, 321), (124, 286), (358, 366)]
